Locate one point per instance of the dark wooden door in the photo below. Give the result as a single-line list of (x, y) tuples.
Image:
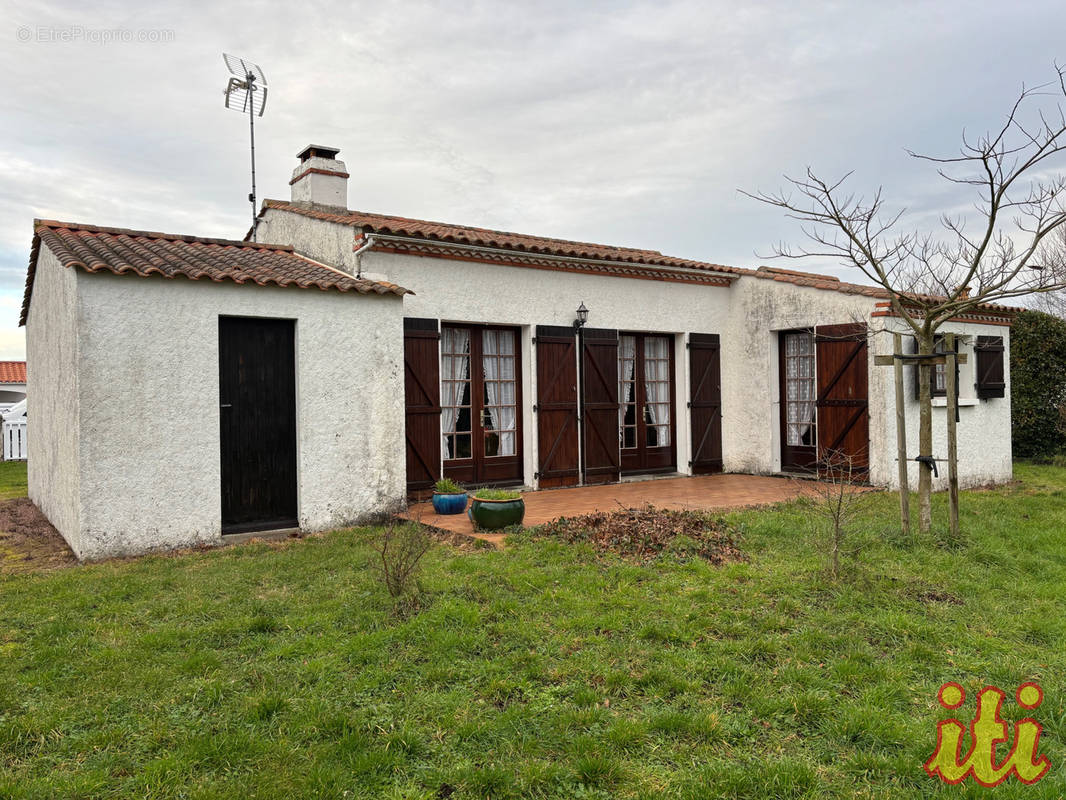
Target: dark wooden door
[(421, 369), (599, 406), (257, 398), (705, 402), (843, 380), (799, 394), (646, 398), (556, 407), (481, 404)]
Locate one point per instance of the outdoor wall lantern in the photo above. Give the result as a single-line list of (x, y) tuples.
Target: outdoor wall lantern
[(582, 317)]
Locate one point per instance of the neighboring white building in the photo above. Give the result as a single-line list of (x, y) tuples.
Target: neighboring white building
[(12, 384), (683, 367)]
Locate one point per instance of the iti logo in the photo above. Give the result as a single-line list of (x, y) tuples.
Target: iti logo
[(987, 731)]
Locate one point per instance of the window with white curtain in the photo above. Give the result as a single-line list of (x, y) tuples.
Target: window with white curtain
[(800, 391), (501, 413), (455, 393), (627, 392), (657, 390)]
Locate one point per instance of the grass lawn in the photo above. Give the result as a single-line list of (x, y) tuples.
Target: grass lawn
[(12, 479), (541, 670)]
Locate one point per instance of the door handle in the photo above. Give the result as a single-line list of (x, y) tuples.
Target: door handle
[(226, 405)]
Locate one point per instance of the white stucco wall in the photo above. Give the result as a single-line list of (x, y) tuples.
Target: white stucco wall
[(52, 342), (760, 310), (148, 383), (984, 427), (471, 292)]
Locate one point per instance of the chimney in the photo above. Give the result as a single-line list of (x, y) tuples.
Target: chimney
[(320, 179)]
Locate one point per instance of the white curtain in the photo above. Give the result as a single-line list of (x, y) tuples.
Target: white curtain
[(507, 411), (455, 372), (491, 369), (799, 374), (627, 353), (657, 387), (498, 365)]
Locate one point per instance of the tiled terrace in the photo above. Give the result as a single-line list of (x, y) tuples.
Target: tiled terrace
[(706, 492)]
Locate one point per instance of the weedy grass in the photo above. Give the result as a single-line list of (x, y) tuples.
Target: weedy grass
[(12, 479), (541, 670)]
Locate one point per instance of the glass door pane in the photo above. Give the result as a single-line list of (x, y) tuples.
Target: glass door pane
[(657, 390), (455, 396), (800, 394), (627, 392), (500, 415)]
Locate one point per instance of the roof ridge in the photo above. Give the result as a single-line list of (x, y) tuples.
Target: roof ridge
[(52, 224), (474, 228), (428, 230)]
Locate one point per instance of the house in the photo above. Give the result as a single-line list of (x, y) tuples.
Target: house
[(189, 387), (343, 361), (12, 383)]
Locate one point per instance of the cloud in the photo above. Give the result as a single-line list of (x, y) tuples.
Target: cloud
[(632, 123)]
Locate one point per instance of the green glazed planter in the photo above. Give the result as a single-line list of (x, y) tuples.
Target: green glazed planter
[(491, 515)]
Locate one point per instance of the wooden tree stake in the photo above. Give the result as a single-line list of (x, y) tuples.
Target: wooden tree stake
[(901, 439), (952, 385)]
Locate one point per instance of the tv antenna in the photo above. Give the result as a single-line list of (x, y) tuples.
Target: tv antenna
[(247, 92)]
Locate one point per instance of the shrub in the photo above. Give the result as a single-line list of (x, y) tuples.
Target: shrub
[(1038, 385), (401, 548), (448, 486)]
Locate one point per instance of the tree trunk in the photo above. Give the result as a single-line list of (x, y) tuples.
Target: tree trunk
[(925, 434)]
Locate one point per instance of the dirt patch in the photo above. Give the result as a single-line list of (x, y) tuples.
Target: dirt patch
[(647, 532), (28, 542), (934, 595)]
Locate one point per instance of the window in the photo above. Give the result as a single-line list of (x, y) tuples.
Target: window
[(940, 380), (455, 393), (500, 414), (657, 390), (938, 386), (800, 393)]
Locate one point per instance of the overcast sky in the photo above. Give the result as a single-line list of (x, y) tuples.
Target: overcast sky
[(623, 123)]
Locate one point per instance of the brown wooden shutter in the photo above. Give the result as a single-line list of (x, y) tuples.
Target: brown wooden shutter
[(557, 406), (843, 381), (421, 367), (705, 402), (991, 380), (599, 375)]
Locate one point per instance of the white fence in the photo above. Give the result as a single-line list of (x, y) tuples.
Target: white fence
[(15, 439)]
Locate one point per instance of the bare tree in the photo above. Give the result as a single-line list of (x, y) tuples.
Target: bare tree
[(1005, 250), (836, 501)]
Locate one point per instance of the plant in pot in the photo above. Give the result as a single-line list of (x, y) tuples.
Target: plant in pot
[(449, 497), (493, 509)]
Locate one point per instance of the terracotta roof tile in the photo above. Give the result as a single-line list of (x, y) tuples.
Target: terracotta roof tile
[(832, 283), (12, 371), (485, 237), (95, 249)]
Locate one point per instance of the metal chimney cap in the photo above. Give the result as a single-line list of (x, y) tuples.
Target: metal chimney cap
[(317, 150)]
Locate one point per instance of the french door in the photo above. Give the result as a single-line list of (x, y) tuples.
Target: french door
[(646, 403), (481, 401), (799, 395)]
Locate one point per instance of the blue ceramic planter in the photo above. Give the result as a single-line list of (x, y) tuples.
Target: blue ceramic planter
[(449, 503)]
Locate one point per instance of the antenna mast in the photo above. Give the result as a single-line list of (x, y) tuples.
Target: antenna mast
[(247, 91)]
